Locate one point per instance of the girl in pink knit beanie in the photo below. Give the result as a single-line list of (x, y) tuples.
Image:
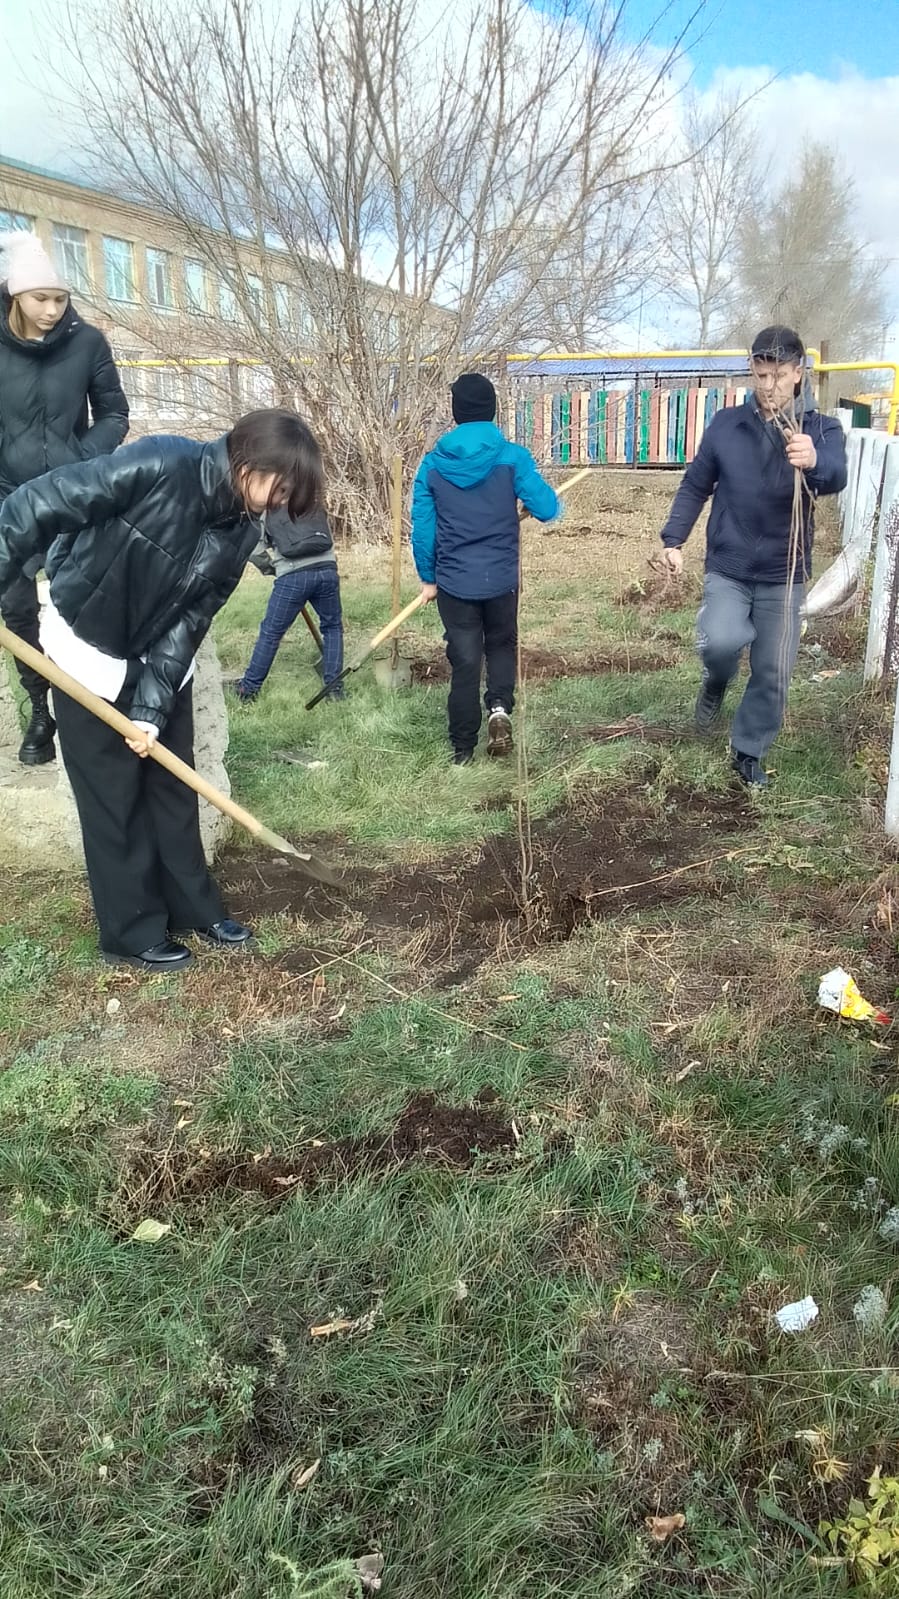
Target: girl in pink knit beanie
[(60, 401), (38, 294)]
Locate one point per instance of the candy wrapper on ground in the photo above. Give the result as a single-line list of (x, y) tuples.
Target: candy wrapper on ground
[(838, 992)]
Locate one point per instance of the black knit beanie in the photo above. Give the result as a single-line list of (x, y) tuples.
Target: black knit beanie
[(474, 398)]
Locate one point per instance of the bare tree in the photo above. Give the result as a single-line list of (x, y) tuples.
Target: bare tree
[(803, 261), (596, 269), (396, 166), (706, 201)]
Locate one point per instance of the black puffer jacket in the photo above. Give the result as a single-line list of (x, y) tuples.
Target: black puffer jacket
[(141, 548), (45, 387)]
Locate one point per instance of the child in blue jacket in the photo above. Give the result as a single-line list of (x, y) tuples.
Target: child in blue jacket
[(465, 540)]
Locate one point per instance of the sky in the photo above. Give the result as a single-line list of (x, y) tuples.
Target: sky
[(828, 71)]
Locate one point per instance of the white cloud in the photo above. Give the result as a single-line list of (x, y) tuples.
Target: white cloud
[(857, 117), (854, 114)]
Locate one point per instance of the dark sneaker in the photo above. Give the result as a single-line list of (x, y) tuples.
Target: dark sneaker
[(226, 933), (749, 769), (165, 957), (463, 757), (37, 746), (238, 692), (708, 705), (499, 732)]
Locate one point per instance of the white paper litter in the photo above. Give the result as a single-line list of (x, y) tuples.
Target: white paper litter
[(798, 1316), (832, 989)]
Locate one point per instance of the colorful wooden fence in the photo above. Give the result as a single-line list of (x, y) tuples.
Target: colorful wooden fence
[(618, 427)]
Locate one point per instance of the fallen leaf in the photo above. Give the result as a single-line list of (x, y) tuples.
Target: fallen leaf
[(319, 987), (817, 1438), (686, 1070), (34, 1287), (113, 1005), (285, 1182), (182, 1104), (303, 1477), (150, 1231), (338, 1013), (662, 1527), (183, 1121), (342, 1324), (507, 999)]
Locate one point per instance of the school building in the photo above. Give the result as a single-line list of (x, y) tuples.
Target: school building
[(160, 301)]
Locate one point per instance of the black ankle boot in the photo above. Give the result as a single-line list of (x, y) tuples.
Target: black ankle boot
[(37, 746)]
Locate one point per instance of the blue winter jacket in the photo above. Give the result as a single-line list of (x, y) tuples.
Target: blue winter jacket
[(742, 462), (465, 534)]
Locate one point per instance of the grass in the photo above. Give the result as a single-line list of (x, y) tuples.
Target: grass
[(553, 1334)]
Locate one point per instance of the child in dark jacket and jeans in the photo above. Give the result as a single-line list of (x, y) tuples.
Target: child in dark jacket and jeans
[(465, 540), (300, 554)]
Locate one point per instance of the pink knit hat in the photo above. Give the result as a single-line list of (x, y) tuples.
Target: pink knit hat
[(25, 264)]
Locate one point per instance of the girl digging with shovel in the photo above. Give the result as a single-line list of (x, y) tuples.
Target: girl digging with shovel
[(142, 548)]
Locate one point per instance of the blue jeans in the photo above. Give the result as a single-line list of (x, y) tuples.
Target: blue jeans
[(318, 586), (764, 616)]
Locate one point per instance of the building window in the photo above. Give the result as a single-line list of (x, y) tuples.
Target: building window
[(72, 256), (257, 386), (132, 375), (291, 312), (159, 280), (15, 222), (283, 296), (256, 296), (195, 284), (165, 385), (118, 267), (228, 306)]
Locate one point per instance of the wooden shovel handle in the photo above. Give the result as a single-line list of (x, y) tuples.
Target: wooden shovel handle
[(122, 724), (393, 625), (309, 619), (564, 487)]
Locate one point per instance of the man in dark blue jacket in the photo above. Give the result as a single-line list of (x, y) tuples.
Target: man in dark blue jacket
[(465, 540), (753, 459)]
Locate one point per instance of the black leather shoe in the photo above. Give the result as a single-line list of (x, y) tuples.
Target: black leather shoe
[(226, 933), (165, 957), (37, 746)]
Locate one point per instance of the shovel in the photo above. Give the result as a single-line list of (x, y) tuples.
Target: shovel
[(313, 865), (309, 619), (564, 487), (387, 632), (395, 672)]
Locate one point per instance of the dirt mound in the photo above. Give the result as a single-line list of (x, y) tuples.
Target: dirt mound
[(542, 665), (587, 862), (427, 1131)]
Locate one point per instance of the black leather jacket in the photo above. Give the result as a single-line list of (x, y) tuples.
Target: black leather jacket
[(45, 387), (141, 549)]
